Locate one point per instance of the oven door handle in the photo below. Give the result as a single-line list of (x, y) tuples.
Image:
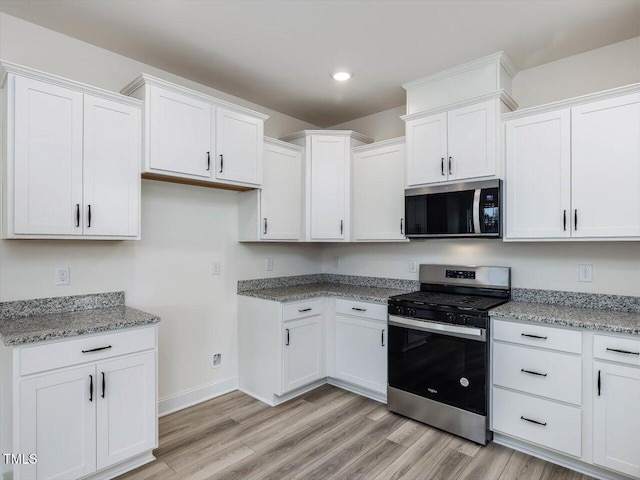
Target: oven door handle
[(470, 333)]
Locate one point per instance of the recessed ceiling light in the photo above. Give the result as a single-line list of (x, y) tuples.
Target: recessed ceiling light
[(341, 76)]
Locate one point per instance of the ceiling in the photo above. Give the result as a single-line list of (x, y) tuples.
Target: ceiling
[(280, 54)]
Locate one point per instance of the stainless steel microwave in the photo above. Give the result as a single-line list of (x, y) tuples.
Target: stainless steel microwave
[(471, 209)]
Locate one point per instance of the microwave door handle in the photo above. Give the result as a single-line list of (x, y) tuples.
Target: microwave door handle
[(476, 211)]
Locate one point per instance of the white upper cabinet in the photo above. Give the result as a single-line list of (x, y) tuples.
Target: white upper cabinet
[(538, 150), (239, 147), (378, 191), (427, 157), (180, 133), (574, 172), (72, 159), (194, 138), (606, 167)]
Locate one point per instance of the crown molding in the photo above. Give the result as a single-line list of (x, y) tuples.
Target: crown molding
[(345, 133), (572, 102), (146, 79), (498, 94), (280, 143), (499, 57), (7, 68), (382, 143)]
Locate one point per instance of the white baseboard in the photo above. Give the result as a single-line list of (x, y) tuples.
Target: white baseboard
[(378, 397), (179, 401), (123, 467)]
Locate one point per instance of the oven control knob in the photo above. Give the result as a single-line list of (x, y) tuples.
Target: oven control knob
[(401, 310)]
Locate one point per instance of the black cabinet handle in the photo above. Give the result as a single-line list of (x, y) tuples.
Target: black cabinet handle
[(625, 352), (221, 163), (104, 385), (402, 226), (341, 226), (537, 337), (208, 161), (89, 218), (544, 424), (531, 372), (564, 221), (450, 158), (382, 338), (442, 166), (77, 215), (287, 330), (96, 349), (575, 218), (308, 309), (265, 226), (91, 388), (599, 383), (357, 309)]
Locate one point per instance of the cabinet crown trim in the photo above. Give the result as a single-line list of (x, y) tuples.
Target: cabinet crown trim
[(7, 68), (572, 102), (499, 57), (383, 143), (280, 143), (345, 133), (145, 79), (498, 94)]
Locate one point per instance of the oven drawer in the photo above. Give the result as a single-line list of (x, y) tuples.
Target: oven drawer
[(538, 336), (301, 309), (548, 374), (617, 349), (361, 309), (559, 426)]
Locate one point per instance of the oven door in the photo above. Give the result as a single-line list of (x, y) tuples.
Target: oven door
[(445, 363)]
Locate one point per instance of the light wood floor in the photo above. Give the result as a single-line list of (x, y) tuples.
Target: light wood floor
[(325, 434)]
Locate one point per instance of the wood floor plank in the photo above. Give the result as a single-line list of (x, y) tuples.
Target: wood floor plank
[(156, 470), (374, 461), (523, 467), (211, 465), (408, 433), (488, 463), (556, 472)]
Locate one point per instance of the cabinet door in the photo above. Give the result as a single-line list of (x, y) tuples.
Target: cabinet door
[(126, 399), (58, 423), (111, 168), (303, 359), (472, 141), (180, 134), (47, 159), (239, 140), (280, 197), (329, 157), (361, 352), (616, 418), (606, 168), (378, 194), (427, 150), (538, 158)]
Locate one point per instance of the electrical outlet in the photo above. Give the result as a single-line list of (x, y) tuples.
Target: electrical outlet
[(585, 273), (215, 267), (62, 276), (269, 264), (216, 360), (413, 266), (336, 262)]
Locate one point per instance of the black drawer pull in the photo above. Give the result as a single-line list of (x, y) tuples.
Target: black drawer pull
[(357, 309), (305, 309), (96, 349), (537, 337), (544, 424), (531, 372), (626, 352)]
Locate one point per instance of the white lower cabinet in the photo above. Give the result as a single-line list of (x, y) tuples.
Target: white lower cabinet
[(302, 353)]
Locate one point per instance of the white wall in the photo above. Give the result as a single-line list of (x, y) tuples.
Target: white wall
[(184, 229)]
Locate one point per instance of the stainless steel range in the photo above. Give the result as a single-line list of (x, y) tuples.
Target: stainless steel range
[(438, 354)]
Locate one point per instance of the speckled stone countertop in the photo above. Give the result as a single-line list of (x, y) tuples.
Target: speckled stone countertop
[(571, 316), (28, 321), (314, 290)]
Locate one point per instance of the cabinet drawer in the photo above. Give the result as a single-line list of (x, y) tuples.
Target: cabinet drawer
[(538, 336), (40, 358), (559, 427), (616, 349), (361, 309), (549, 374), (301, 309)]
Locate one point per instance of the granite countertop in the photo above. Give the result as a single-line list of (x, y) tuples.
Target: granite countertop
[(571, 316), (292, 293)]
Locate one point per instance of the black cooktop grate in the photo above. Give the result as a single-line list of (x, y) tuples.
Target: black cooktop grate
[(475, 302)]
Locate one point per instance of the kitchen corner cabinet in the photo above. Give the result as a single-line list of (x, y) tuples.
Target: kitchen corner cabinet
[(377, 191), (194, 138), (573, 172), (327, 182), (274, 212), (82, 413), (71, 159)]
